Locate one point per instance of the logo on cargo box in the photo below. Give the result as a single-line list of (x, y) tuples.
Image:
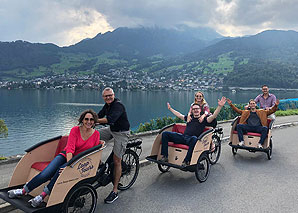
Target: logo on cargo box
[(85, 167), (205, 142)]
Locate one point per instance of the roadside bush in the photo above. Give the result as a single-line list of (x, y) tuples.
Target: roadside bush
[(226, 113), (3, 129)]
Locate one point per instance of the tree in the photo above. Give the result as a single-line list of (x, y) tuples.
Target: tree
[(3, 129)]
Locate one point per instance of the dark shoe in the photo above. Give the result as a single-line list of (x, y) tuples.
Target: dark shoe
[(112, 197), (164, 159), (185, 163)]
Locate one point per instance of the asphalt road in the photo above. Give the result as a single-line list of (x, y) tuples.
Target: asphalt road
[(247, 182)]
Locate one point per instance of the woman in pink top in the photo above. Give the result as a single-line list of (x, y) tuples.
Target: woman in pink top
[(81, 138)]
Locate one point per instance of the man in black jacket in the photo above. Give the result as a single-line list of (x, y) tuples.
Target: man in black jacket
[(114, 114)]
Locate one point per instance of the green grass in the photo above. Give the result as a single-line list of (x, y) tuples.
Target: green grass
[(224, 64), (287, 112)]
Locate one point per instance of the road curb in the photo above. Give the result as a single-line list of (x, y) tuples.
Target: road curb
[(6, 207)]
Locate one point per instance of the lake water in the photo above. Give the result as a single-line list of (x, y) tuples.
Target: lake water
[(36, 115)]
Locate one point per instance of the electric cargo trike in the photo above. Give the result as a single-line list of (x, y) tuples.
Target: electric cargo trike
[(75, 188), (203, 155), (251, 139)]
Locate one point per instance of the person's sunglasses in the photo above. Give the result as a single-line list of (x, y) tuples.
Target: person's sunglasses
[(199, 96), (105, 96), (195, 108), (89, 119)]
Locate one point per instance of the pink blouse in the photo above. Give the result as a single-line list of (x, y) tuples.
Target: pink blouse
[(76, 144)]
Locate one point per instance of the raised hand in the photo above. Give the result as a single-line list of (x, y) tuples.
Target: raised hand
[(277, 102), (222, 101), (169, 106)]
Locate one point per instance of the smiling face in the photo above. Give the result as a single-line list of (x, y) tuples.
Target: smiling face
[(265, 90), (196, 110), (108, 96), (88, 121), (252, 105), (199, 97)]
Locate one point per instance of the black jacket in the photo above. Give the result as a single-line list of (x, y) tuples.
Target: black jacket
[(116, 116)]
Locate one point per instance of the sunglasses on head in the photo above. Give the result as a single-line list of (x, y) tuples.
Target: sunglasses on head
[(89, 119), (105, 96)]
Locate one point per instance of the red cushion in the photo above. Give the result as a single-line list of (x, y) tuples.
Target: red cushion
[(249, 133), (61, 145), (179, 128), (40, 165), (268, 122), (181, 146)]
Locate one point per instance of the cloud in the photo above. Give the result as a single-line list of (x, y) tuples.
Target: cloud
[(66, 22), (49, 21)]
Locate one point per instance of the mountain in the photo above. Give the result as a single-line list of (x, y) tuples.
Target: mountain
[(130, 43), (269, 57), (22, 54)]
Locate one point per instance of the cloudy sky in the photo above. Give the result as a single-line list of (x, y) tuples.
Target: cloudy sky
[(66, 22)]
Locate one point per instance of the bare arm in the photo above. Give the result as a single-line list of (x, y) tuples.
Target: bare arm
[(102, 120), (176, 113), (69, 156), (221, 103)]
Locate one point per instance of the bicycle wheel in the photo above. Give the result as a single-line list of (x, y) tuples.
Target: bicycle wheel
[(163, 168), (202, 168), (269, 152), (234, 150), (130, 169), (81, 199), (214, 156)]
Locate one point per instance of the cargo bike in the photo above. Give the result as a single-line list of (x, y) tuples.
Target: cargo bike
[(75, 188), (251, 139), (203, 155)]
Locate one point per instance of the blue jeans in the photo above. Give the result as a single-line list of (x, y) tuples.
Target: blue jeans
[(178, 138), (241, 128), (51, 172)]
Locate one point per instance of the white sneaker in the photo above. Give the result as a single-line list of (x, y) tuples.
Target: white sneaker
[(260, 146), (35, 202), (241, 143), (14, 193)]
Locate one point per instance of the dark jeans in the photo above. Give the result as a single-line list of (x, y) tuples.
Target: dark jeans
[(51, 172), (241, 128), (178, 138)]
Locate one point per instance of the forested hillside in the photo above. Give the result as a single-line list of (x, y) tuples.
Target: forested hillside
[(153, 53)]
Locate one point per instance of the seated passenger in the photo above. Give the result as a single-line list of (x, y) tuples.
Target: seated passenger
[(253, 120), (81, 138), (194, 128)]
